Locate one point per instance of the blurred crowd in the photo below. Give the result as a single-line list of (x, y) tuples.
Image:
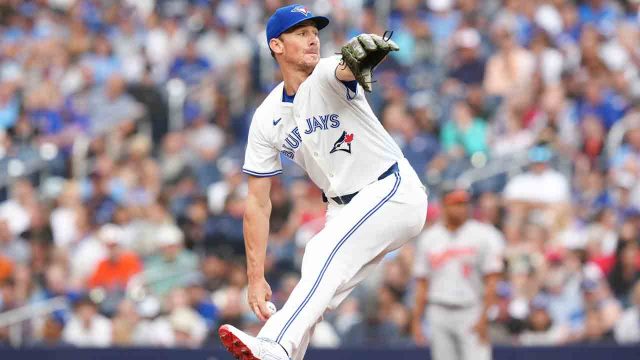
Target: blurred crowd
[(122, 133)]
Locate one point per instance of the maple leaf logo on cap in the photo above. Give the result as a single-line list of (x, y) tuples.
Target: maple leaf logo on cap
[(301, 9)]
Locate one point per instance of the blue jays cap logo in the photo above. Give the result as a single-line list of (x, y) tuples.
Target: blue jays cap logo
[(301, 9), (343, 143)]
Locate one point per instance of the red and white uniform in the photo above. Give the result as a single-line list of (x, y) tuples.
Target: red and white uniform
[(455, 264)]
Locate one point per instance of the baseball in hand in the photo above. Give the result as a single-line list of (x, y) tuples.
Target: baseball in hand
[(272, 307)]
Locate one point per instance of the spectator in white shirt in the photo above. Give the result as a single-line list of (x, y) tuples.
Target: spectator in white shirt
[(627, 329), (16, 248), (540, 191), (16, 209), (542, 331), (540, 184), (87, 328)]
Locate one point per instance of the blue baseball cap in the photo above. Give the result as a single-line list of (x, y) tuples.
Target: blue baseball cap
[(589, 285), (540, 154), (289, 16), (540, 302)]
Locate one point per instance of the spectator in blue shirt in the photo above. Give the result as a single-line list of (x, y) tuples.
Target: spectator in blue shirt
[(443, 20), (224, 231), (602, 103), (601, 13), (466, 67), (102, 60), (9, 106), (190, 67)]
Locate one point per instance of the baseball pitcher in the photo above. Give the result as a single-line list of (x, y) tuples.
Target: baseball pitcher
[(319, 118)]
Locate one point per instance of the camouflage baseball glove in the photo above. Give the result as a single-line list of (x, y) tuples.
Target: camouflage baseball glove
[(363, 53)]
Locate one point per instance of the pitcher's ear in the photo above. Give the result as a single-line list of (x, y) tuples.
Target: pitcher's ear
[(276, 46)]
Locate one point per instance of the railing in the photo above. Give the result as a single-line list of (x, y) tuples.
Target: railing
[(136, 290), (176, 95), (615, 137), (14, 168), (81, 144), (512, 165), (137, 285), (79, 161), (14, 319)]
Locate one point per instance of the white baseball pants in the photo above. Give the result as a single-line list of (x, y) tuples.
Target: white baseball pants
[(380, 218)]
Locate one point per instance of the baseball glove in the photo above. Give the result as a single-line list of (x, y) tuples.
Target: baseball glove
[(363, 53)]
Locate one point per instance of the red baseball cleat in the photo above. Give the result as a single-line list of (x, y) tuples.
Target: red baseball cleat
[(246, 347)]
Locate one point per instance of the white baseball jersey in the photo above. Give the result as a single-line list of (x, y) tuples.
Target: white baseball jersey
[(455, 263), (328, 130)]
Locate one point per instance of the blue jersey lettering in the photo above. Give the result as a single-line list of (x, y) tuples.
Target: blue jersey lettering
[(335, 122), (321, 122)]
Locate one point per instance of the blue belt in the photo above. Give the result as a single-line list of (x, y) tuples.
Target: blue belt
[(345, 199)]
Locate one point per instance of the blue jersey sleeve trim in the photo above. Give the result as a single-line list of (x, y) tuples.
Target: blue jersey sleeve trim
[(351, 85), (287, 98), (352, 88), (261, 174)]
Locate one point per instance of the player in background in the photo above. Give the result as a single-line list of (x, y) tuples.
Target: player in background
[(457, 267), (319, 118)]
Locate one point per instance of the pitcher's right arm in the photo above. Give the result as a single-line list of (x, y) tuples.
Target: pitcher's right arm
[(256, 235)]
